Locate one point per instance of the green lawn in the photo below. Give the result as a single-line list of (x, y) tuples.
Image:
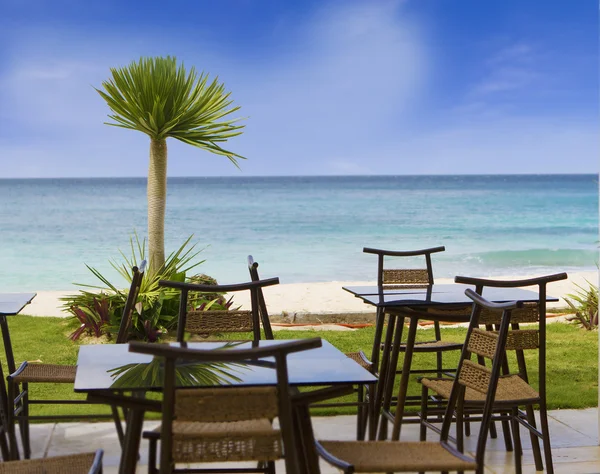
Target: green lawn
[(572, 358)]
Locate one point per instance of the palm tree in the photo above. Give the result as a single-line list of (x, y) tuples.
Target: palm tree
[(159, 98)]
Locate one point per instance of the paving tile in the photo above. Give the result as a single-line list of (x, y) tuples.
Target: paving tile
[(583, 421), (574, 440)]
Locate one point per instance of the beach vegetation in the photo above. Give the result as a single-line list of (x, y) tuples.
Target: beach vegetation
[(159, 97), (99, 307), (584, 305)]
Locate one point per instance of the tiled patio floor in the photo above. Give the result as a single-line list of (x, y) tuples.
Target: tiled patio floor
[(574, 441)]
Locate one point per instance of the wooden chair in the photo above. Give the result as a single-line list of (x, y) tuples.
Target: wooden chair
[(445, 455), (36, 373), (359, 357), (205, 323), (390, 277), (208, 323), (514, 390), (85, 463), (229, 424)]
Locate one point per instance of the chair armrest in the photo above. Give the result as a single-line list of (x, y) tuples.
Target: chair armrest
[(17, 372), (331, 459)]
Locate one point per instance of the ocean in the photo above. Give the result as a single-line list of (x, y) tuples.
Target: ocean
[(302, 229)]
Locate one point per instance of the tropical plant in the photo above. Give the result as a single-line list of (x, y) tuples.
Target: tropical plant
[(158, 97), (101, 306), (584, 305)]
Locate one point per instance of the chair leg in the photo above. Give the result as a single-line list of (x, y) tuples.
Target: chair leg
[(506, 432), (423, 417), (24, 423), (152, 456), (118, 425), (10, 421), (546, 437), (535, 442), (361, 415), (518, 451)]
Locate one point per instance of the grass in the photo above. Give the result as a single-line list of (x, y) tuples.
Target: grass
[(572, 360)]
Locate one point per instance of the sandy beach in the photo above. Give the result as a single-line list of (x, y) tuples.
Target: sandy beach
[(324, 301)]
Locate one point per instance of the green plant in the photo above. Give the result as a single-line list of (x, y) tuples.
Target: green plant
[(158, 97), (156, 308), (584, 303)]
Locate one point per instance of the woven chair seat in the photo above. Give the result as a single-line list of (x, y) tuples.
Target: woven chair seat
[(360, 359), (250, 440), (396, 456), (72, 464), (50, 373), (511, 388)]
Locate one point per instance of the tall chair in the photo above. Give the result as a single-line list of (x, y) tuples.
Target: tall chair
[(209, 323), (445, 455), (392, 277), (20, 379), (359, 357), (230, 423), (514, 390)]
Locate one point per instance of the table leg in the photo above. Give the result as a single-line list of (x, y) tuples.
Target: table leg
[(380, 389), (133, 435), (390, 377), (410, 344)]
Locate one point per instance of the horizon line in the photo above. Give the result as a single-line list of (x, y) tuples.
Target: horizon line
[(304, 176)]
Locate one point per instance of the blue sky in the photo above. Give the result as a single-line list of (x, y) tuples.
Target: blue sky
[(328, 87)]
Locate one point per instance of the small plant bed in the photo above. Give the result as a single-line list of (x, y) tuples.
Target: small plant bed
[(571, 355)]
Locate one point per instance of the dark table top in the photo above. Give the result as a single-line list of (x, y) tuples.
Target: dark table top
[(445, 294), (13, 303), (325, 365)]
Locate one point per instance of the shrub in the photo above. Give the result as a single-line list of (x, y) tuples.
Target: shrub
[(100, 309), (584, 305)]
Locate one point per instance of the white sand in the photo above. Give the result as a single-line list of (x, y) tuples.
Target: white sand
[(309, 298)]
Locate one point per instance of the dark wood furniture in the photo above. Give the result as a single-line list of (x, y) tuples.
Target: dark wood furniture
[(228, 424), (514, 389), (362, 402), (445, 455), (11, 304), (321, 367), (203, 322), (206, 323), (411, 304), (19, 381)]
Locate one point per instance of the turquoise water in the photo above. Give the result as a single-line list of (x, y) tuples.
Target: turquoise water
[(302, 228)]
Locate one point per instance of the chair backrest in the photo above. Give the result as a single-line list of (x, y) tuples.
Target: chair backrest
[(404, 277), (486, 344), (250, 404), (134, 289), (262, 306), (521, 339), (209, 322)]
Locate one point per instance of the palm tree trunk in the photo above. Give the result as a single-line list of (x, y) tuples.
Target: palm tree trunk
[(157, 200)]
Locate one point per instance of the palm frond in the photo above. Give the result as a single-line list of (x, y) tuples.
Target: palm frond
[(160, 98)]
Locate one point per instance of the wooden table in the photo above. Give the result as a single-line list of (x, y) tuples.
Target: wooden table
[(411, 303), (325, 366)]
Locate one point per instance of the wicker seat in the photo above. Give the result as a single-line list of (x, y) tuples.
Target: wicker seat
[(225, 424), (85, 463), (19, 395), (513, 389), (444, 456)]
